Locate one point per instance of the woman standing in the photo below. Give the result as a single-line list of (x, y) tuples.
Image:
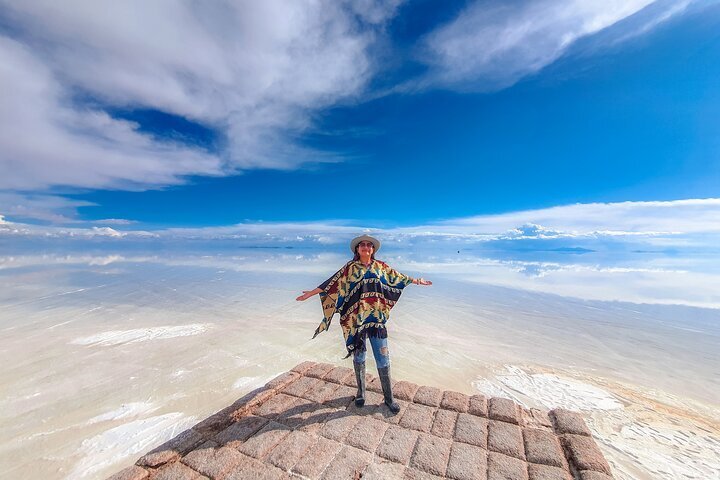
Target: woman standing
[(363, 292)]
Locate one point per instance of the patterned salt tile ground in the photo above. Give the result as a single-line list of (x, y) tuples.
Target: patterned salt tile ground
[(304, 424)]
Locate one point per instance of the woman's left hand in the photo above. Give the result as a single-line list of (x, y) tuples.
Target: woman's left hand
[(422, 281), (307, 294)]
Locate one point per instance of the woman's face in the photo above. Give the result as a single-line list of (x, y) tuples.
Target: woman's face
[(366, 248)]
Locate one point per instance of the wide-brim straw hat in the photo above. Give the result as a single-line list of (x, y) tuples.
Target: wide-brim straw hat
[(364, 238)]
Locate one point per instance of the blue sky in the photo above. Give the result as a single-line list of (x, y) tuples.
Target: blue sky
[(370, 114)]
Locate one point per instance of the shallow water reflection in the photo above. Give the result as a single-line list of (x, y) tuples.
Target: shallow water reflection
[(109, 352)]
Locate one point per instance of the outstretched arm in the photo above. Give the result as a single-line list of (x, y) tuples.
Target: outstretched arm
[(396, 278), (307, 294)]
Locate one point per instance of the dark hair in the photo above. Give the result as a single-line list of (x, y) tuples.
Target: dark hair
[(357, 255)]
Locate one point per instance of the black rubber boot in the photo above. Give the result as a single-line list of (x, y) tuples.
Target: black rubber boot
[(386, 384), (360, 378)]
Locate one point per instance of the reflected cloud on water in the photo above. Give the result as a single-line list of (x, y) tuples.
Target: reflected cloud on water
[(596, 269)]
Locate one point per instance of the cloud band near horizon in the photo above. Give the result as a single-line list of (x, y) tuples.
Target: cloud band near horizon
[(592, 220)]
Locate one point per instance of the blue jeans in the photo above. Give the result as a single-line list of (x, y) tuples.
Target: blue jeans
[(380, 351)]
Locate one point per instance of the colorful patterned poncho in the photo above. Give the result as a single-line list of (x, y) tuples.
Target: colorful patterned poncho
[(363, 296)]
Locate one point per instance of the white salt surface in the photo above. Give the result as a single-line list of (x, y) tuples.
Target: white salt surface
[(117, 337), (248, 382), (641, 437), (675, 453), (492, 389), (552, 391), (125, 440), (131, 358), (124, 411)]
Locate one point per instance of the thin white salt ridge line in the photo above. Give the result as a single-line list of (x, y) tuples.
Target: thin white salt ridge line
[(117, 337)]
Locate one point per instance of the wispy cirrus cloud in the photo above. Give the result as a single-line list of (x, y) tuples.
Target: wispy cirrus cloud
[(50, 208), (46, 141), (54, 209), (253, 71), (492, 44)]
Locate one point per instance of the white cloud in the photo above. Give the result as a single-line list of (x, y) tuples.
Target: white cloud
[(608, 219), (491, 45), (114, 221), (530, 230), (107, 231), (15, 229), (48, 208), (657, 219), (45, 141), (256, 71), (589, 220), (662, 12)]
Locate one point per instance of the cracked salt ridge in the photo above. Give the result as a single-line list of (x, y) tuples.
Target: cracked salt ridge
[(554, 391), (638, 442), (697, 456), (117, 337), (119, 443), (551, 391)]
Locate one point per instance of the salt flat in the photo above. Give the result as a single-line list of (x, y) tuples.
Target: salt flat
[(107, 356)]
